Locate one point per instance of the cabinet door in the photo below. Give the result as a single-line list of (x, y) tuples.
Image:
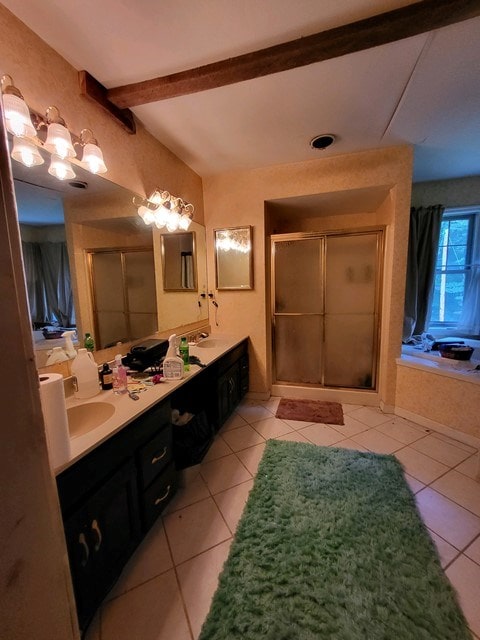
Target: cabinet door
[(101, 536), (228, 392)]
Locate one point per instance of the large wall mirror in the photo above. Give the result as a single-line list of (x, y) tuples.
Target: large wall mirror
[(91, 213)]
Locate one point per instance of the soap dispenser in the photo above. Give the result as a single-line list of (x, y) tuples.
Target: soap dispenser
[(172, 364), (85, 372), (69, 348)]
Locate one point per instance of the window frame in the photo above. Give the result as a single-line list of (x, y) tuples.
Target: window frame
[(471, 213)]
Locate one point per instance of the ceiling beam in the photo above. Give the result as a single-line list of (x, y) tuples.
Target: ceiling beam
[(391, 26)]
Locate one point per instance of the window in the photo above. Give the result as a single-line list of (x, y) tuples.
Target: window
[(458, 250)]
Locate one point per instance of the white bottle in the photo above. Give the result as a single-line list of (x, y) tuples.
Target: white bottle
[(57, 354), (120, 383), (69, 348), (172, 364), (85, 372)]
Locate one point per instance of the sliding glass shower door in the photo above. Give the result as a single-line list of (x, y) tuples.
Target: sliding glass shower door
[(325, 305)]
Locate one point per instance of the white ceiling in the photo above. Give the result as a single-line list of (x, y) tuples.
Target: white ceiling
[(423, 90)]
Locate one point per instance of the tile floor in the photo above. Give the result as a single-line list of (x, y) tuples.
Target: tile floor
[(165, 590)]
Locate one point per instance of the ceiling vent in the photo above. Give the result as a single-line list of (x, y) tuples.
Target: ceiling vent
[(322, 141)]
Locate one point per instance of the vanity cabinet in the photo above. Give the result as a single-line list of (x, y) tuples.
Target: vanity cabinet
[(101, 535), (110, 498), (231, 381)]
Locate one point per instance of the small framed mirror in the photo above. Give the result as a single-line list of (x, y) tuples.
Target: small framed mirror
[(234, 258), (179, 262)]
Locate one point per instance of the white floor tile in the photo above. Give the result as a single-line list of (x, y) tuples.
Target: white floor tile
[(463, 490), (224, 473), (419, 465), (349, 444), (153, 611), (252, 412), (195, 491), (234, 421), (251, 457), (470, 467), (351, 427), (377, 441), (271, 427), (242, 438), (450, 521), (321, 434), (440, 450), (414, 484), (293, 436), (195, 529), (445, 551), (473, 551), (151, 559), (218, 448), (464, 574), (198, 580), (402, 430), (370, 416), (232, 502)]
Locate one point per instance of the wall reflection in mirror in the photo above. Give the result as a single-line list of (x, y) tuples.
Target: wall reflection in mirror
[(91, 214), (178, 262), (234, 258)]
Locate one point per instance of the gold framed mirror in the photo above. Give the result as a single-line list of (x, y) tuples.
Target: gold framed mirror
[(234, 258)]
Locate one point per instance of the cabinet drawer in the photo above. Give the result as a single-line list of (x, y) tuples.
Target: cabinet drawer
[(155, 455), (158, 495)]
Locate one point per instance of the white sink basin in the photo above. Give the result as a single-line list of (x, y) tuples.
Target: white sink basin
[(85, 417), (209, 343)]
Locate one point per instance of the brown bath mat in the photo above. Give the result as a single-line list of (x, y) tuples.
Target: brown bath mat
[(310, 411)]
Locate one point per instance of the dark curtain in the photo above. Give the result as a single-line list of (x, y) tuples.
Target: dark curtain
[(49, 288), (422, 254)]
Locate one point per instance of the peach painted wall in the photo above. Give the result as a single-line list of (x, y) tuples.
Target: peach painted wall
[(138, 162), (447, 401), (238, 198)]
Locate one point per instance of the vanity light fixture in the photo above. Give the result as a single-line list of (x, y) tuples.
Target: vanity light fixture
[(26, 152), (92, 158), (49, 132), (164, 210), (61, 168), (17, 114), (59, 140)]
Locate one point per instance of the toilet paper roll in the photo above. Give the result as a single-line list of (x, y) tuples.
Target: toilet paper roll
[(54, 411)]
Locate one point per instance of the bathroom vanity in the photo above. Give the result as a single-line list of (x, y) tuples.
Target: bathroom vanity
[(122, 473)]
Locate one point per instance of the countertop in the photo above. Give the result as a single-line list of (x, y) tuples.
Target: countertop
[(127, 410)]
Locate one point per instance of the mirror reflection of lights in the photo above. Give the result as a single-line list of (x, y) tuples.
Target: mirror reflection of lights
[(233, 240), (165, 210)]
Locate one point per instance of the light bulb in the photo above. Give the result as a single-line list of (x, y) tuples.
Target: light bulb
[(93, 158), (59, 141), (17, 116), (60, 168), (26, 152), (173, 221)]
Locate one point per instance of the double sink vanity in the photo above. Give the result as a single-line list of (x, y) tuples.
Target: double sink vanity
[(124, 463)]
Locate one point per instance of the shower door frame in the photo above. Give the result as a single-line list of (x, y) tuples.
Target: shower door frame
[(379, 231)]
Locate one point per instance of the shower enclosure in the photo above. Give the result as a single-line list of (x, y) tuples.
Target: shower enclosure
[(325, 308)]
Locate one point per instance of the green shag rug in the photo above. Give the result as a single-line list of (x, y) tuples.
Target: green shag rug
[(330, 546)]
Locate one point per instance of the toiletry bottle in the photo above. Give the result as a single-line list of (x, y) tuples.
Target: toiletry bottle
[(57, 354), (88, 343), (119, 376), (106, 377), (184, 353), (85, 373), (69, 348), (172, 364)]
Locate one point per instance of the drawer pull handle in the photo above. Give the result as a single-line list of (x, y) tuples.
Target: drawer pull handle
[(164, 497), (96, 529), (86, 551), (156, 459)]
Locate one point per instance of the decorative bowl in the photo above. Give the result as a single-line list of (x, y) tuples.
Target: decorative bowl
[(456, 351), (52, 335)]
